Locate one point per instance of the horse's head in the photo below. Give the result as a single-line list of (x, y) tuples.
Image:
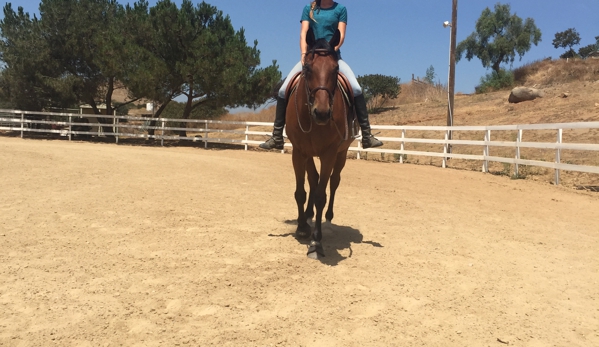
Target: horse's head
[(321, 67)]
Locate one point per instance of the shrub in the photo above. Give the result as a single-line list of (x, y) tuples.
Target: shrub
[(496, 81), (378, 89)]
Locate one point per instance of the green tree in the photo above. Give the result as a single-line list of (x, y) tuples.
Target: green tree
[(175, 110), (499, 36), (79, 35), (567, 39), (147, 73), (378, 89), (430, 75), (86, 45), (203, 59), (28, 72), (586, 50)]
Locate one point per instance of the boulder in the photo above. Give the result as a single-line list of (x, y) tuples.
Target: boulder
[(520, 94)]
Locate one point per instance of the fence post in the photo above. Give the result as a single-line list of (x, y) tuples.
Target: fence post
[(516, 166), (114, 127), (486, 151), (558, 154), (205, 134), (70, 126), (22, 124), (359, 146), (403, 136), (445, 145), (162, 134), (247, 128)]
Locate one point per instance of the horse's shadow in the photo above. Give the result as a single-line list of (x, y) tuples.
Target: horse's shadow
[(335, 239)]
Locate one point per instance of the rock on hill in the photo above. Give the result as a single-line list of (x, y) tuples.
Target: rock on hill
[(571, 94)]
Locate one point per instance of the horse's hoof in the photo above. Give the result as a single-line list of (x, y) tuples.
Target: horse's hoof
[(313, 255), (303, 231), (315, 250)]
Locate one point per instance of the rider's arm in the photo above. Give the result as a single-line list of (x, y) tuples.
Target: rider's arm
[(342, 28), (303, 43)]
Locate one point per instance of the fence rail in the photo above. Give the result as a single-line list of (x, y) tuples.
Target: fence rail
[(211, 131)]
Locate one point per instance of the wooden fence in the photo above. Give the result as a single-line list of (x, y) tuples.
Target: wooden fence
[(69, 125)]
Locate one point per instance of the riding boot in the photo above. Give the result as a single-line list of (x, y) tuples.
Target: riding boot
[(362, 113), (277, 141)]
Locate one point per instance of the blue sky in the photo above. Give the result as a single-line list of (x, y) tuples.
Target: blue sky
[(400, 37), (405, 37)]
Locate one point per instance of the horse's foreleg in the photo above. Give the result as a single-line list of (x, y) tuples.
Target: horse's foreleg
[(313, 183), (320, 199), (335, 180), (299, 167)]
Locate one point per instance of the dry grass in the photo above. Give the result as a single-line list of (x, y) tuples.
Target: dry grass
[(547, 72), (266, 115), (421, 92), (420, 104)]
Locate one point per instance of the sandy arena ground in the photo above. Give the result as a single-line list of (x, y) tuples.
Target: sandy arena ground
[(106, 245)]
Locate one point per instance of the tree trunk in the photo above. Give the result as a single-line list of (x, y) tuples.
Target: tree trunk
[(152, 131), (187, 110), (106, 123), (496, 67), (108, 96), (108, 99)]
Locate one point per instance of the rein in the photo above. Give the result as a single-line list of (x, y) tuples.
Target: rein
[(310, 93), (331, 97)]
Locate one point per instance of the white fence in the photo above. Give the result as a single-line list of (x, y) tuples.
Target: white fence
[(210, 131)]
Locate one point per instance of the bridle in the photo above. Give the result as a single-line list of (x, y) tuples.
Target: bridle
[(311, 93)]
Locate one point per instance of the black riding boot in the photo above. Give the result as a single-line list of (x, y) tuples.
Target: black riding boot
[(362, 113), (277, 141)]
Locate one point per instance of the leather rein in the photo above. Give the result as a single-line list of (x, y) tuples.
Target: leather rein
[(310, 94)]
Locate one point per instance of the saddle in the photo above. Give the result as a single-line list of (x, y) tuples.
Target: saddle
[(342, 82), (348, 97)]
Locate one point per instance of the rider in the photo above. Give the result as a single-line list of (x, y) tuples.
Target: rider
[(324, 17)]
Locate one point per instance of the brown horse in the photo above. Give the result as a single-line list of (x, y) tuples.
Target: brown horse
[(317, 126)]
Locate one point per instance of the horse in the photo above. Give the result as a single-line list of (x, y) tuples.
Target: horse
[(318, 122)]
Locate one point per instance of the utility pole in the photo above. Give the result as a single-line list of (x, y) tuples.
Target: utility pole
[(451, 82)]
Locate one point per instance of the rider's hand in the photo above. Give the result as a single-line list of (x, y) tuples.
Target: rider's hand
[(303, 59)]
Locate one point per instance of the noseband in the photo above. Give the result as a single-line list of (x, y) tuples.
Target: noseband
[(311, 93)]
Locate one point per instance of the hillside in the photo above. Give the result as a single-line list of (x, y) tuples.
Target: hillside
[(571, 95)]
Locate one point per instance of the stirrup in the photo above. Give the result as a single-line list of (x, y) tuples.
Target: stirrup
[(273, 143), (370, 142)]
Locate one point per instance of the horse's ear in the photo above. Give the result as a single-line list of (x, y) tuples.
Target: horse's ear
[(310, 38), (335, 39)]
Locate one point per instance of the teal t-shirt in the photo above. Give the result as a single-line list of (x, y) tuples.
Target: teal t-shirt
[(327, 20)]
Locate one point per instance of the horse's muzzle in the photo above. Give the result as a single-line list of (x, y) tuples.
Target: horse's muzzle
[(321, 117), (322, 108)]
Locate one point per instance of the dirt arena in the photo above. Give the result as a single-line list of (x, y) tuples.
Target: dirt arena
[(106, 245)]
